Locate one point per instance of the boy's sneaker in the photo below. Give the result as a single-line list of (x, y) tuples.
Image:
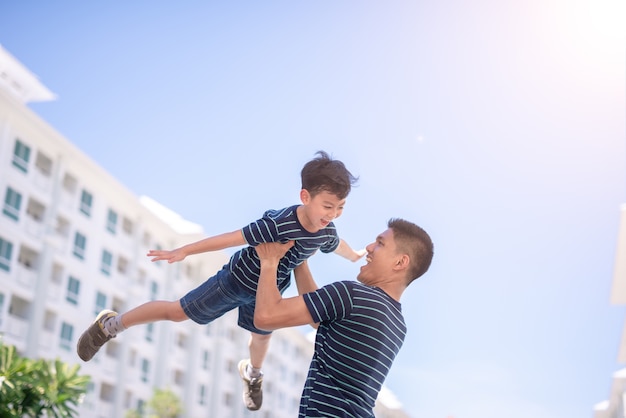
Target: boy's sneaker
[(252, 392), (94, 337)]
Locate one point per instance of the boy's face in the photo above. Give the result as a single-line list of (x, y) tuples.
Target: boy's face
[(320, 210)]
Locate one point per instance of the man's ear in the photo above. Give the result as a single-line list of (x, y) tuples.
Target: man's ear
[(305, 196), (402, 262)]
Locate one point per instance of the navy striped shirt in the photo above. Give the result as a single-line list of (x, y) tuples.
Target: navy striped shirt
[(279, 226), (360, 333)]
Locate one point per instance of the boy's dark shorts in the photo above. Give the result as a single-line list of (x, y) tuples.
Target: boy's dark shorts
[(219, 294)]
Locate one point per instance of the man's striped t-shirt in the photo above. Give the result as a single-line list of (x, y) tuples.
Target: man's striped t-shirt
[(361, 330), (279, 226)]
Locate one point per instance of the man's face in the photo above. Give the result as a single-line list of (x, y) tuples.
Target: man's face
[(382, 256)]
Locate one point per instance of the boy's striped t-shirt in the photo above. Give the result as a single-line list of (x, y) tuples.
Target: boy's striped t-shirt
[(360, 333), (279, 226)]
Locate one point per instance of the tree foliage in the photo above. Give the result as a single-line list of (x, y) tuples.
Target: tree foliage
[(163, 404), (33, 387)]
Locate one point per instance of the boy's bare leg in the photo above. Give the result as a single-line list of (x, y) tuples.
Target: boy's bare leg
[(155, 310), (108, 324), (258, 345), (250, 370)]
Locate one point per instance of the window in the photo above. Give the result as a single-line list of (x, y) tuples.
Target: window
[(206, 356), (181, 340), (80, 243), (1, 307), (154, 290), (111, 221), (66, 336), (43, 164), (150, 331), (179, 377), (107, 262), (6, 249), (141, 406), (35, 210), (202, 395), (122, 264), (73, 290), (101, 302), (86, 200), (145, 370), (21, 155), (12, 202), (127, 226)]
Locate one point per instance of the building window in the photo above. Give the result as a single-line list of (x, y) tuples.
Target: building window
[(206, 356), (66, 336), (6, 250), (107, 262), (145, 370), (122, 265), (21, 155), (202, 395), (111, 221), (127, 226), (179, 377), (141, 406), (101, 302), (150, 331), (1, 308), (12, 203), (73, 290), (80, 242), (154, 290), (86, 199)]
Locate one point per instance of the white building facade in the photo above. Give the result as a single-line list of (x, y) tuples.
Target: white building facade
[(615, 406), (73, 242)]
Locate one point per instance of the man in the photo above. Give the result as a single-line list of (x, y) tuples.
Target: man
[(360, 323)]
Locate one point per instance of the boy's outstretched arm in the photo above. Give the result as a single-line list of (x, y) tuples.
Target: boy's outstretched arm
[(214, 243), (271, 310), (346, 251)]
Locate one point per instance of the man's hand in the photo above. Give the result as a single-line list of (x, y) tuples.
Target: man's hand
[(272, 251)]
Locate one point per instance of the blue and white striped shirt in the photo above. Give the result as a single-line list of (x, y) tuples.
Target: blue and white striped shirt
[(360, 333), (279, 226)]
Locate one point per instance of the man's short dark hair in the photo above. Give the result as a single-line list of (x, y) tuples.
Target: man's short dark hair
[(414, 241)]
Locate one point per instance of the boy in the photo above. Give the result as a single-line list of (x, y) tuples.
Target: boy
[(325, 185)]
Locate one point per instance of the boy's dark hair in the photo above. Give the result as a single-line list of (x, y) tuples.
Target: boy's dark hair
[(414, 241), (323, 174)]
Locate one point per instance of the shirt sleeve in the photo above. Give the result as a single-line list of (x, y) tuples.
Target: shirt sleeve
[(333, 241), (260, 231), (331, 302)]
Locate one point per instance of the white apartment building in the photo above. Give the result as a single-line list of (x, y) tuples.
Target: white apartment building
[(615, 406), (73, 242)]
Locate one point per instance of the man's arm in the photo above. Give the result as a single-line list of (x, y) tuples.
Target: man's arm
[(305, 282), (214, 243), (347, 252), (304, 279), (272, 311)]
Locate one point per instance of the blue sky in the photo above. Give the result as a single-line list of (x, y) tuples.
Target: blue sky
[(498, 126)]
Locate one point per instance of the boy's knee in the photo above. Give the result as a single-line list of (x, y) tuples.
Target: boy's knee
[(177, 313), (260, 337)]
